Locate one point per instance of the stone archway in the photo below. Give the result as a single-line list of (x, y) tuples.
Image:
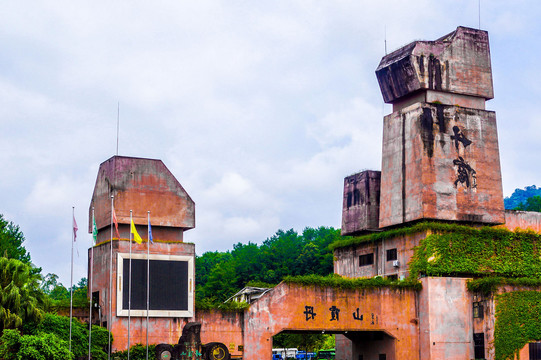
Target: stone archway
[(351, 313)]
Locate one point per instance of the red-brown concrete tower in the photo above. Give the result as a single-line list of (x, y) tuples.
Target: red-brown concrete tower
[(440, 146), (142, 185)]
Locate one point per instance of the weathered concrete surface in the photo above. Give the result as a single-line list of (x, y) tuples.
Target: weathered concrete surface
[(161, 330), (438, 97), (525, 220), (224, 327), (346, 260), (360, 209), (440, 162), (485, 324), (458, 63), (140, 185), (445, 319), (290, 307)]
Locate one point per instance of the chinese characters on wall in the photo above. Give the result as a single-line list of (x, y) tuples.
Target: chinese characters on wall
[(466, 174), (334, 315)]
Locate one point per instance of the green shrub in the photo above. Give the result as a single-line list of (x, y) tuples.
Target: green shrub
[(137, 352), (59, 326), (338, 282), (42, 346), (10, 342)]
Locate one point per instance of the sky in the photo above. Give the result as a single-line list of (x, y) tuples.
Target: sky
[(259, 108)]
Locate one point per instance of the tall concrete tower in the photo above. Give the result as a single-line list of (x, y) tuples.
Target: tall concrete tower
[(440, 146), (142, 186)]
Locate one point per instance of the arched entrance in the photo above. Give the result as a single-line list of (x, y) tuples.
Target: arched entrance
[(348, 344), (366, 322)]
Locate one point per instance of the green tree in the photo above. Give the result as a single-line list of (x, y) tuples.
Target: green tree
[(59, 327), (221, 283), (303, 341), (49, 283), (11, 241), (206, 263), (531, 204), (520, 196), (220, 275), (21, 297), (14, 346)]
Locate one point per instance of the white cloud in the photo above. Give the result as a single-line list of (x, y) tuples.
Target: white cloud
[(260, 109)]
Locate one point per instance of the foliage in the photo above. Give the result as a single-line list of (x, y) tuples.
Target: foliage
[(59, 326), (21, 296), (213, 304), (518, 315), (11, 240), (489, 285), (137, 352), (520, 196), (338, 282), (302, 341), (10, 343), (260, 284), (531, 204), (403, 231), (478, 251), (220, 275), (45, 346), (59, 295)]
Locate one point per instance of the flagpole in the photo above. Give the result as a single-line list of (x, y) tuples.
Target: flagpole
[(110, 320), (91, 275), (71, 286), (148, 272), (129, 290)]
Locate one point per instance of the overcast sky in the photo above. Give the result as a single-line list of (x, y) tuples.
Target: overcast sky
[(259, 108)]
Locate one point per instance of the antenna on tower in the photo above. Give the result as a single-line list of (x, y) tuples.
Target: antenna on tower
[(385, 38), (479, 12), (117, 125)]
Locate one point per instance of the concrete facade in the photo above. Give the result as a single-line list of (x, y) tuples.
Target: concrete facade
[(440, 162), (370, 317), (140, 185), (440, 146), (390, 257), (457, 63), (361, 202)]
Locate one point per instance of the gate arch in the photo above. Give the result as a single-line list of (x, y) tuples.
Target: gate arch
[(349, 313)]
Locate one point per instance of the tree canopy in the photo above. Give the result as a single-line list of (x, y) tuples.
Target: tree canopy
[(531, 204), (520, 196), (21, 297), (11, 241), (221, 274)]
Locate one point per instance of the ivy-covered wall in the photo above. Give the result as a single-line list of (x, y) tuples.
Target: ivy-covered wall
[(518, 321), (452, 249), (478, 252), (494, 258)]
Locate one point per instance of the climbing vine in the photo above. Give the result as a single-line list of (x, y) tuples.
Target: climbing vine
[(489, 285), (518, 315), (409, 230), (338, 282), (494, 257), (478, 252)]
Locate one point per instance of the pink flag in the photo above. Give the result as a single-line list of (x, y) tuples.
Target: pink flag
[(75, 228), (116, 224)]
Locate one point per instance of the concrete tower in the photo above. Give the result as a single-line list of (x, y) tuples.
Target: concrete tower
[(141, 185), (440, 146)]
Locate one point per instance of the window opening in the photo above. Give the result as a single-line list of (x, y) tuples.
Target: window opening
[(366, 259), (392, 254)]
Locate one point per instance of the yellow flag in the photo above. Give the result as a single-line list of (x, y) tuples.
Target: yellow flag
[(136, 236)]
